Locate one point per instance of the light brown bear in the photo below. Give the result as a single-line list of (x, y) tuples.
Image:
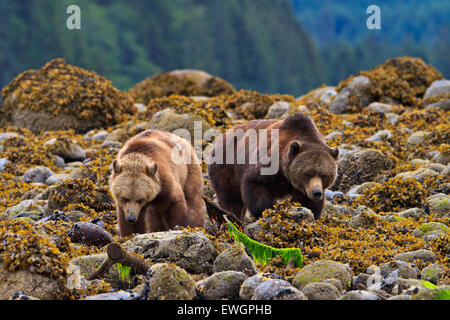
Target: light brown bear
[(157, 184), (305, 166)]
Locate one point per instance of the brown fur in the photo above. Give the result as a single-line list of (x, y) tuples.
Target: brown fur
[(307, 166), (148, 186)]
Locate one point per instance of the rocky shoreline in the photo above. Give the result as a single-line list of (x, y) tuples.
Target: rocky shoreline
[(385, 229)]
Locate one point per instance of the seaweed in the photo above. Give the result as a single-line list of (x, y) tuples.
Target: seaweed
[(263, 253)]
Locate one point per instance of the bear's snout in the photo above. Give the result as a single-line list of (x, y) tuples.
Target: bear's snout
[(131, 219), (317, 194)]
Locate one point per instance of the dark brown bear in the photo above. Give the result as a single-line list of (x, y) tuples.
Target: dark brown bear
[(303, 166), (152, 191)]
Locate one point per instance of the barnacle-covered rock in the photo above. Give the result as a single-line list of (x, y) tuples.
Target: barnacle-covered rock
[(321, 291), (322, 270), (37, 174), (166, 281), (61, 96), (180, 82), (213, 113), (357, 167), (439, 206), (250, 284), (277, 289), (192, 251), (394, 194), (65, 149), (188, 125), (401, 80), (235, 258), (79, 191), (249, 105), (221, 285)]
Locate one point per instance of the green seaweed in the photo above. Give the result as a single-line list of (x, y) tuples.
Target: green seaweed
[(428, 284), (263, 253), (124, 272)]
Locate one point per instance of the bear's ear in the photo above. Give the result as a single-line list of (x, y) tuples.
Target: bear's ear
[(295, 148), (335, 153), (151, 169), (116, 166)]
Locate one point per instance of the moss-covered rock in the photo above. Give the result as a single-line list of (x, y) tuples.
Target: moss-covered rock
[(180, 82), (166, 281), (322, 270), (235, 258), (401, 80), (61, 96), (221, 285), (357, 167)]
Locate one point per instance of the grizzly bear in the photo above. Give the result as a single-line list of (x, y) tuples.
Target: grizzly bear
[(305, 165), (154, 191)]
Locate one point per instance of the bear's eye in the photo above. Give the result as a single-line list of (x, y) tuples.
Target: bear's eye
[(125, 200)]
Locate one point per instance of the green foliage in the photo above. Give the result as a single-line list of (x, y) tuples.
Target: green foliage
[(408, 28), (263, 253), (256, 45)]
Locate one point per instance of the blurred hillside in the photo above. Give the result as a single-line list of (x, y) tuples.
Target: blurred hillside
[(273, 46), (408, 27), (253, 44)]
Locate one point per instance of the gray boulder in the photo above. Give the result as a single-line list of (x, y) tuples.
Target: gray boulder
[(437, 88), (411, 256), (192, 251), (37, 174), (221, 285), (165, 281), (322, 270), (235, 258), (321, 291), (357, 92), (277, 289), (357, 167)]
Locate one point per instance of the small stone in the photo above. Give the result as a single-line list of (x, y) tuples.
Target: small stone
[(321, 270), (249, 285), (359, 295), (166, 281), (89, 234), (439, 293), (439, 206), (422, 254), (37, 174), (380, 107), (221, 285), (433, 273), (438, 87), (418, 138), (415, 213), (3, 162), (321, 291), (278, 109), (402, 269), (381, 135), (235, 258), (277, 289), (431, 227)]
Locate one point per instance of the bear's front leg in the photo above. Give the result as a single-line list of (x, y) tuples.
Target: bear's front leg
[(256, 197), (315, 206)]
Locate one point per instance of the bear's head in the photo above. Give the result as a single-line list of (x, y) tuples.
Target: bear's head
[(311, 168), (134, 183)]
